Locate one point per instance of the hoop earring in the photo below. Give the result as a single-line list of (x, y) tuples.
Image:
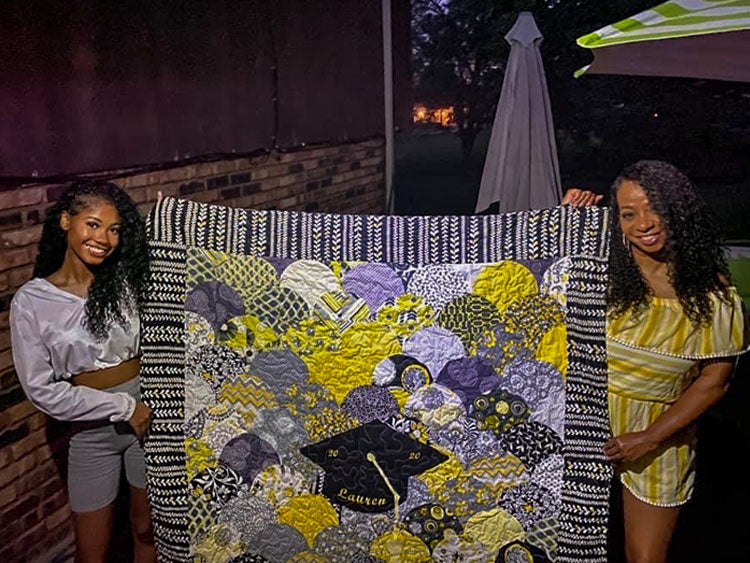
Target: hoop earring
[(626, 244)]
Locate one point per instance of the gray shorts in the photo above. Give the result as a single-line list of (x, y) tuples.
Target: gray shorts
[(97, 453)]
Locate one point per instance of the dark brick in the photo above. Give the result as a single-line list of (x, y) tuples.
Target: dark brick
[(33, 216), (10, 220), (326, 182), (313, 206), (296, 167), (229, 193), (5, 303), (54, 192), (349, 193), (192, 188), (22, 508), (331, 170), (10, 436), (380, 167), (361, 190), (324, 162), (370, 153), (10, 397), (8, 379), (339, 159), (355, 165), (217, 182), (312, 186), (240, 178), (251, 189)]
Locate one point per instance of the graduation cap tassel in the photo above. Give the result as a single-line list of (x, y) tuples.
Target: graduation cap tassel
[(396, 497)]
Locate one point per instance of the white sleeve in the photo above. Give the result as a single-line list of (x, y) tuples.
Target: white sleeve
[(59, 399)]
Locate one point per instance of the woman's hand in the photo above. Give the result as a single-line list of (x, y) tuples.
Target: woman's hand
[(629, 446), (580, 198), (140, 420)]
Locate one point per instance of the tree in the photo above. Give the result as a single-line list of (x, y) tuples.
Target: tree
[(459, 56), (460, 52)]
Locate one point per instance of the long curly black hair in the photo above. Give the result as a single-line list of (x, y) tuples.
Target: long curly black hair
[(120, 281), (694, 253)]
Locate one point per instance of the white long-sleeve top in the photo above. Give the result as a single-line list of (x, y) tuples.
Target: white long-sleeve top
[(51, 344)]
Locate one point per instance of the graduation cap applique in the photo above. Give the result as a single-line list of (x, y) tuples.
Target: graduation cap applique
[(367, 468)]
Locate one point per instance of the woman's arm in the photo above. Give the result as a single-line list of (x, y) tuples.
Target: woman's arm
[(59, 399), (708, 388)]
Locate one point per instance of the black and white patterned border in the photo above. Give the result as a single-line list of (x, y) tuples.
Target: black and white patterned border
[(174, 225)]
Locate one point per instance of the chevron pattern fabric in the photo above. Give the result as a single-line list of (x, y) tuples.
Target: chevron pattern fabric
[(475, 351)]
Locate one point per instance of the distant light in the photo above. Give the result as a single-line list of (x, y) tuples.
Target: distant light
[(654, 115)]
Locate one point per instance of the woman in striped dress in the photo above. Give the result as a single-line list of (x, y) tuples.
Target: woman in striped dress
[(675, 326)]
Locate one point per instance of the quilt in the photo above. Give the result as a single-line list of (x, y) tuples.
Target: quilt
[(371, 388)]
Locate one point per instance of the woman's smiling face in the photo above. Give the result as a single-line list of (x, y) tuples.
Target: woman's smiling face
[(641, 225), (94, 232)]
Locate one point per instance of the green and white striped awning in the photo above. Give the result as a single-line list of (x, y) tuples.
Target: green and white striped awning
[(674, 30)]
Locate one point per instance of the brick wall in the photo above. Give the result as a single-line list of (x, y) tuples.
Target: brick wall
[(35, 519)]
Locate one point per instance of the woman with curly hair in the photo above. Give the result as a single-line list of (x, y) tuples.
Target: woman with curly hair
[(674, 324), (75, 337)]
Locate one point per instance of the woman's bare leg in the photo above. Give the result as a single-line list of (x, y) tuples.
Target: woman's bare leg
[(140, 524), (648, 529), (93, 534)]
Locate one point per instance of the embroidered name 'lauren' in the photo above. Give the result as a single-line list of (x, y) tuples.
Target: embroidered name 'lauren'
[(361, 499)]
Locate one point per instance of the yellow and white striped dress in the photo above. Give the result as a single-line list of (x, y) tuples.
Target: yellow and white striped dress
[(652, 358)]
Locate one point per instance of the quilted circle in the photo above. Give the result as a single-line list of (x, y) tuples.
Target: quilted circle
[(504, 282), (499, 411), (278, 483), (429, 521), (277, 542), (310, 280), (494, 528), (373, 282), (399, 545), (439, 283), (521, 552), (434, 405), (434, 346), (533, 380), (533, 315), (406, 314), (531, 443), (219, 483), (279, 370), (468, 378), (337, 543), (278, 308), (530, 503), (213, 364), (216, 302), (468, 317), (369, 402), (455, 548), (555, 282), (247, 514), (249, 275), (308, 514), (248, 455), (400, 370), (246, 334), (198, 332), (543, 535)]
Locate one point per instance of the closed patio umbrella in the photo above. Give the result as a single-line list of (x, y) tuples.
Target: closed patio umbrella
[(681, 38), (521, 170)]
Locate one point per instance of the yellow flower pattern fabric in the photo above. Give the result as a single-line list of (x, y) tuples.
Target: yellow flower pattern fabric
[(353, 411)]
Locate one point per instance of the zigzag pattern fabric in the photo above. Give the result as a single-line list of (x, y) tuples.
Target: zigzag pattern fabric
[(370, 388)]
